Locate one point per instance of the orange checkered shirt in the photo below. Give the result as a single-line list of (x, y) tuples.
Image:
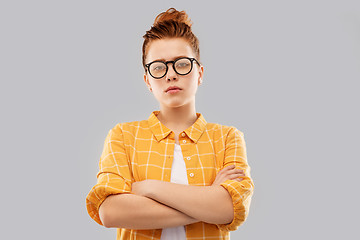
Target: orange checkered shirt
[(140, 150)]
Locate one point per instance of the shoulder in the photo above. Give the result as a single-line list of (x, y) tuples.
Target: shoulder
[(130, 128), (223, 130), (226, 136)]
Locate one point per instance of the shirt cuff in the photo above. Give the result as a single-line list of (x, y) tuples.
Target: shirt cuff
[(102, 190), (241, 193)]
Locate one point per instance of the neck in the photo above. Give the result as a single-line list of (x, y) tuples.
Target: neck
[(178, 119)]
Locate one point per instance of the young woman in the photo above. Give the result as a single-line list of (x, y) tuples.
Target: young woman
[(173, 175)]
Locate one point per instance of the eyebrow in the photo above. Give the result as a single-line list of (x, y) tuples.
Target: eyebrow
[(163, 60)]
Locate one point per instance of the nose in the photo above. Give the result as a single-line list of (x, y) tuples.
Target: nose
[(171, 74)]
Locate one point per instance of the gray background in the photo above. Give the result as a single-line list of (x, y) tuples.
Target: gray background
[(286, 73)]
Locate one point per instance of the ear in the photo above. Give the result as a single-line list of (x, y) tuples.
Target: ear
[(201, 75), (146, 80)]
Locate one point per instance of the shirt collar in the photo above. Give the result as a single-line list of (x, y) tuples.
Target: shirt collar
[(160, 131)]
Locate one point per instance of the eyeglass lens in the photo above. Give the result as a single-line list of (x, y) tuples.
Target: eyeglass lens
[(181, 66)]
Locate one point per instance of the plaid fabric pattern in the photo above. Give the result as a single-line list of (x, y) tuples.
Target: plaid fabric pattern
[(140, 150)]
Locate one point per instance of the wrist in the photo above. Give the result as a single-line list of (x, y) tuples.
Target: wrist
[(151, 187)]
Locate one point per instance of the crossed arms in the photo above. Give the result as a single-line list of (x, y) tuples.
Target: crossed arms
[(158, 204), (117, 201)]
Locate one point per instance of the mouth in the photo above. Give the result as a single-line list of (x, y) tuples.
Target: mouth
[(173, 89)]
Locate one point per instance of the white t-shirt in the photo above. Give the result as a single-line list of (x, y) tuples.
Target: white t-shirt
[(178, 175)]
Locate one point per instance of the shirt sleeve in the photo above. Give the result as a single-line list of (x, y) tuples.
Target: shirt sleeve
[(114, 174), (240, 192)]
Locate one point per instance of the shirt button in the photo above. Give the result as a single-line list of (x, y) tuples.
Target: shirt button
[(183, 134), (188, 158), (191, 174), (184, 141)]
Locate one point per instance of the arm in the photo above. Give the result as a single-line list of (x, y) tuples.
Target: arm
[(138, 212), (240, 191), (202, 203), (113, 191), (199, 202)]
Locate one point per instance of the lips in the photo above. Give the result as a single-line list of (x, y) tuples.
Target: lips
[(172, 88)]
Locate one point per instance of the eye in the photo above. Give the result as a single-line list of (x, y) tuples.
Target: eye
[(182, 64), (158, 67)]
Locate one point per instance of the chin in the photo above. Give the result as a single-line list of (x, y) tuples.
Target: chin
[(175, 104)]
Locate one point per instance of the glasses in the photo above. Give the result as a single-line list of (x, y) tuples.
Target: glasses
[(181, 66)]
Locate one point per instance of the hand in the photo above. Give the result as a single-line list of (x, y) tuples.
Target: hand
[(142, 188), (228, 173)]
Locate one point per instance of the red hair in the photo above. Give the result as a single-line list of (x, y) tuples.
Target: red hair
[(171, 24)]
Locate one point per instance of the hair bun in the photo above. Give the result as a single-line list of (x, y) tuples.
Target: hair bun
[(173, 15)]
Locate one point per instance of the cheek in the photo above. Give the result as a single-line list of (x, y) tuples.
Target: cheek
[(194, 82), (156, 86), (157, 89)]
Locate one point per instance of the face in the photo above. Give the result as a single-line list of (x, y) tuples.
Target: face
[(170, 50)]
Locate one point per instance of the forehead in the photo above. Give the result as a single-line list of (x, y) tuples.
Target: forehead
[(168, 49)]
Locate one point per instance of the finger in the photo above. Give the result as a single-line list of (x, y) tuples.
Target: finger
[(226, 168), (229, 177), (238, 179), (236, 175), (237, 170), (233, 171), (229, 167)]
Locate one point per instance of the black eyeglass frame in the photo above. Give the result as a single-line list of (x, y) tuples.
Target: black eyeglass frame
[(147, 66)]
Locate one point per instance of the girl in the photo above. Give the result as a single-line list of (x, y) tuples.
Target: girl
[(173, 175)]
